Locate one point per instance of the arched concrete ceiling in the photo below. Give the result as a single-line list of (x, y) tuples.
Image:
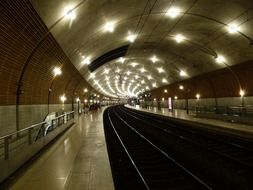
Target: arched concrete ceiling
[(204, 25)]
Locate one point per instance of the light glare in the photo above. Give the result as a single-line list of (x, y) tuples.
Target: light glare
[(233, 28), (57, 71), (173, 12), (154, 59), (131, 37), (220, 59), (109, 26), (179, 38)]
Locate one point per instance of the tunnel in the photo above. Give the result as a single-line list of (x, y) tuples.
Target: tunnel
[(126, 94)]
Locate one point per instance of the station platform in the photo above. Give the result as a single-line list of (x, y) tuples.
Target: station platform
[(234, 128), (77, 160)]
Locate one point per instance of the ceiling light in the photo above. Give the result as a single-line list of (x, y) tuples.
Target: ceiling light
[(85, 90), (149, 77), (92, 75), (165, 90), (242, 93), (181, 87), (131, 37), (179, 38), (173, 12), (147, 88), (142, 70), (109, 26), (160, 70), (154, 84), (86, 60), (175, 97), (142, 82), (134, 64), (77, 99), (122, 59), (125, 78), (117, 70), (183, 73), (128, 72), (106, 71), (197, 96), (63, 98), (233, 28), (220, 59), (136, 77), (162, 99), (69, 13), (164, 80), (154, 59), (57, 71)]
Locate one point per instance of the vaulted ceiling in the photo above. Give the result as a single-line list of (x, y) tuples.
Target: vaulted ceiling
[(167, 41)]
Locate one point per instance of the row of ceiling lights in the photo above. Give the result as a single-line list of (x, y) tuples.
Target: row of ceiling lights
[(110, 26), (56, 72)]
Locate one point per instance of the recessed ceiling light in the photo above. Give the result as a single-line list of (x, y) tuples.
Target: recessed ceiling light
[(106, 71), (233, 28), (142, 70), (160, 70), (117, 70), (181, 87), (154, 59), (220, 59), (134, 64), (131, 37), (165, 90), (122, 59), (92, 75), (86, 60), (57, 71), (173, 12), (179, 38), (109, 26), (69, 13), (149, 77), (142, 82), (183, 73), (164, 80)]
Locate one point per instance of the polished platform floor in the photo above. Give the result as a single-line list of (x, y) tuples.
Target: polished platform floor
[(181, 114), (77, 160)]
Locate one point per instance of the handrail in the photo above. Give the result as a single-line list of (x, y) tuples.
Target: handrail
[(32, 126)]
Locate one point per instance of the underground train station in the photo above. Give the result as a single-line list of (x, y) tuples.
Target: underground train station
[(126, 94)]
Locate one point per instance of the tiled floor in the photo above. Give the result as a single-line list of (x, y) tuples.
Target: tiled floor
[(78, 160), (181, 114)]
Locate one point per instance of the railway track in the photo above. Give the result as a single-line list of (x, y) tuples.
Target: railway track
[(148, 153)]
